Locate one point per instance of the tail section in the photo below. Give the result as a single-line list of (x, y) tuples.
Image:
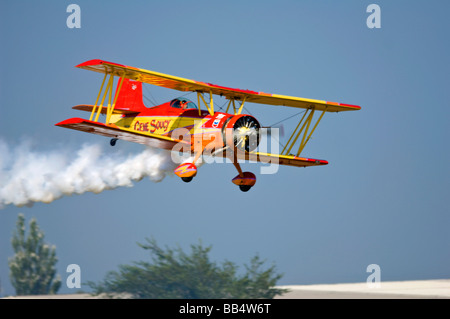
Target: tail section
[(130, 96)]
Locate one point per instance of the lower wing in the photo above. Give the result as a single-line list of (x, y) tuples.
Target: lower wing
[(114, 131), (288, 160), (168, 143)]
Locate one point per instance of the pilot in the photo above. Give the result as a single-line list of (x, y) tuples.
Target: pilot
[(183, 104)]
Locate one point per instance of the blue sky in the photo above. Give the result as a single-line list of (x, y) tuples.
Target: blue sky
[(383, 199)]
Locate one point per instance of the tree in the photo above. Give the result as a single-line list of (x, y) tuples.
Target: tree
[(175, 274), (32, 268)]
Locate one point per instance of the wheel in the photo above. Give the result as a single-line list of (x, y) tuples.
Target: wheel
[(244, 188), (187, 179), (113, 141)]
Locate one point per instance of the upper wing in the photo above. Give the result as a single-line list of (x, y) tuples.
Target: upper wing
[(182, 84), (114, 131)]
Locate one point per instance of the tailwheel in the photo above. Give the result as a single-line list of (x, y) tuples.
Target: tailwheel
[(244, 188), (187, 179), (113, 141)]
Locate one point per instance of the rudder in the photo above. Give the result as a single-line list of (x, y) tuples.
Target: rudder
[(130, 96)]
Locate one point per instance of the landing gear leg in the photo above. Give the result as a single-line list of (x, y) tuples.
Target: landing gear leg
[(245, 180)]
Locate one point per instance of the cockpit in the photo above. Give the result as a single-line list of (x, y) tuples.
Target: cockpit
[(182, 103)]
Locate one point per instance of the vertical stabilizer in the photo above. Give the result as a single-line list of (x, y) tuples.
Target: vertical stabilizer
[(130, 96)]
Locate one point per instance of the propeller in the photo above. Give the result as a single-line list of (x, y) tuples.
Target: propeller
[(246, 133)]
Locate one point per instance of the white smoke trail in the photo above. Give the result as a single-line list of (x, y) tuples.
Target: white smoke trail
[(27, 176)]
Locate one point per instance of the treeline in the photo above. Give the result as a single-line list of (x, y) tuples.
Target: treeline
[(170, 273)]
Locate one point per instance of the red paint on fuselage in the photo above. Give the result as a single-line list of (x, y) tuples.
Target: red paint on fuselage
[(182, 124)]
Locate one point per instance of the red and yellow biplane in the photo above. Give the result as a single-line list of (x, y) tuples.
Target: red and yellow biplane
[(183, 126)]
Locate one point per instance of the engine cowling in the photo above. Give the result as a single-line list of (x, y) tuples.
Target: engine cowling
[(241, 132)]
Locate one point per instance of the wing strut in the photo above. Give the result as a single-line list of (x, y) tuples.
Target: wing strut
[(111, 108), (107, 92), (305, 123), (98, 96), (209, 106), (242, 106)]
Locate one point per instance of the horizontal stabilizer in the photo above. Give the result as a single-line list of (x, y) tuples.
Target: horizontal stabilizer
[(89, 108)]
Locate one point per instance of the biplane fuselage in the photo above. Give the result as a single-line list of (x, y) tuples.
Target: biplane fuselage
[(187, 126), (181, 125), (165, 120)]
